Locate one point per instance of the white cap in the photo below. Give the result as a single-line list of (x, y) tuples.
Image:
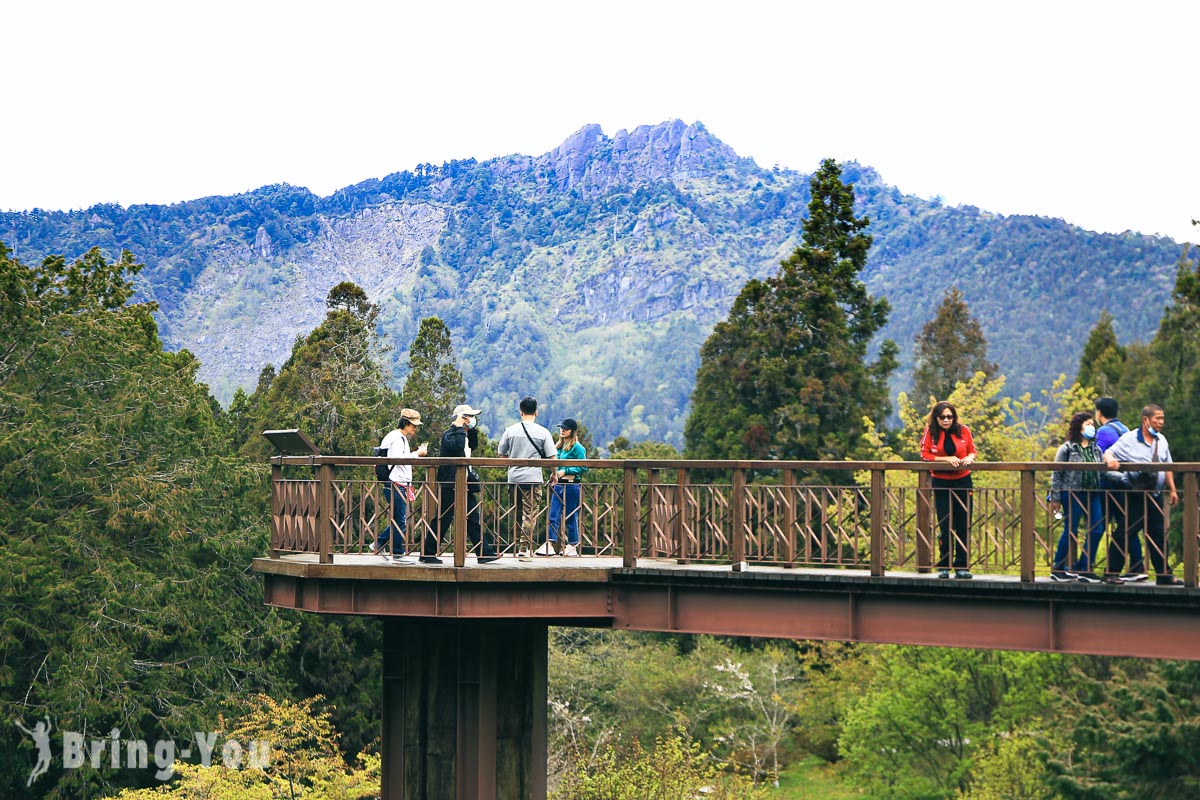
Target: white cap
[(466, 410)]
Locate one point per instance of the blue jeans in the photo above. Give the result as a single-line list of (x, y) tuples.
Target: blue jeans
[(1076, 506), (564, 496), (396, 497)]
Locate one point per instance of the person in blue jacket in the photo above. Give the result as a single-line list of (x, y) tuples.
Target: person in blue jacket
[(564, 494)]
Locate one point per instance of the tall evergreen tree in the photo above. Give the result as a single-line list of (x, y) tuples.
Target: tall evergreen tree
[(1171, 376), (786, 375), (1103, 358), (126, 528), (333, 384), (950, 349), (434, 385)]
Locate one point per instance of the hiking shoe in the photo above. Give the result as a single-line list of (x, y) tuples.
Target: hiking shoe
[(1134, 577), (963, 574), (523, 555), (571, 551), (430, 560), (1167, 580), (944, 574), (1088, 577), (1062, 576)]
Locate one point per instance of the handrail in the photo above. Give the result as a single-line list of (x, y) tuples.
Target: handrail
[(752, 512)]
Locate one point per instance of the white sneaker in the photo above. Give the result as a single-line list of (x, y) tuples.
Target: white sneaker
[(571, 551), (374, 548), (523, 555), (547, 549), (403, 560)]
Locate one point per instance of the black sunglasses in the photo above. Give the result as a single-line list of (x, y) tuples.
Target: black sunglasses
[(945, 416)]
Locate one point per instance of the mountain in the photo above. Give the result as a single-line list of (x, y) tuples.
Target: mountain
[(589, 276)]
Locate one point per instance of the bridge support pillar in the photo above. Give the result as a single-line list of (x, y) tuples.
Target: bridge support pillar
[(464, 710)]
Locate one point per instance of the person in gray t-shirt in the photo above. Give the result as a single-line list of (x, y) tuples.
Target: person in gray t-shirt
[(526, 439)]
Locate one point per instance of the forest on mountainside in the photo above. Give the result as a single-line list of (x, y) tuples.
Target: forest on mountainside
[(133, 503), (591, 275)]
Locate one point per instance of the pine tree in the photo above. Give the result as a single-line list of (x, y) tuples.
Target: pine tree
[(1103, 358), (333, 385), (950, 349), (786, 375), (1169, 374), (434, 385), (126, 527)]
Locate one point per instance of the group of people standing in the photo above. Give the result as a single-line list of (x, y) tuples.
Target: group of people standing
[(524, 439), (1130, 502)]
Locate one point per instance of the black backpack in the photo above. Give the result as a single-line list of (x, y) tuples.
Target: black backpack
[(383, 472)]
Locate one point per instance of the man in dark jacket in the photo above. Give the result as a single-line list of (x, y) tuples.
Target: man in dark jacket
[(457, 442)]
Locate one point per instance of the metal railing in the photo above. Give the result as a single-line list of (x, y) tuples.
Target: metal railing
[(874, 516)]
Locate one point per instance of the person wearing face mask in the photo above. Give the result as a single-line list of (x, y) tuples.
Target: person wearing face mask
[(1145, 445), (457, 442), (1078, 494)]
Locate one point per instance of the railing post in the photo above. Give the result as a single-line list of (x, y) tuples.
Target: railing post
[(276, 506), (1028, 525), (325, 514), (684, 521), (1191, 527), (925, 533), (629, 534), (461, 499), (737, 506), (877, 514)]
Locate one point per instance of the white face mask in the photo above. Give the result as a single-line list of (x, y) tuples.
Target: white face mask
[(1089, 432), (471, 421)]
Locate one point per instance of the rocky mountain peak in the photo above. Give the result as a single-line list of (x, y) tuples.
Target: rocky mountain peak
[(590, 160)]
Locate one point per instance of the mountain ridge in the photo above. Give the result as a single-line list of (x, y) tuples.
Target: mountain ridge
[(591, 274)]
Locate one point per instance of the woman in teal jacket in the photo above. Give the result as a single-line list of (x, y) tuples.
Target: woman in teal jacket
[(564, 495)]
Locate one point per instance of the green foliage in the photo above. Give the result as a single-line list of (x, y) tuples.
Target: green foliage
[(1132, 728), (786, 376), (1004, 429), (126, 526), (1013, 767), (609, 291), (949, 349), (1170, 373), (304, 760), (917, 728), (675, 769), (434, 385), (332, 386), (1103, 360)]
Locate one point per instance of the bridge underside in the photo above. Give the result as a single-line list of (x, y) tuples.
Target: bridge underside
[(998, 613)]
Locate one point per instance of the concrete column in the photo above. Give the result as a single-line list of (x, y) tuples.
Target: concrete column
[(464, 710)]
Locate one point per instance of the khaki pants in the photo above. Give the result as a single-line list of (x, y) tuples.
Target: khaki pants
[(527, 497)]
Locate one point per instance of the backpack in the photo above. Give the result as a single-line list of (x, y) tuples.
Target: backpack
[(383, 472)]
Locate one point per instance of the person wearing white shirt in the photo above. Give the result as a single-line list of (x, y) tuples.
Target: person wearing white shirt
[(1146, 445), (396, 491)]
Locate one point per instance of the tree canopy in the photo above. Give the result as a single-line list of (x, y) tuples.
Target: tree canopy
[(950, 349), (126, 525), (786, 374)]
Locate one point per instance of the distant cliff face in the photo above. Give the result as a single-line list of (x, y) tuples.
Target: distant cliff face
[(589, 276)]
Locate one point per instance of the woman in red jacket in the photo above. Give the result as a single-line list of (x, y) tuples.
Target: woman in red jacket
[(946, 440)]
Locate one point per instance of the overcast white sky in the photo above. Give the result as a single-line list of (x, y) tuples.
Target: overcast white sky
[(1084, 111)]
